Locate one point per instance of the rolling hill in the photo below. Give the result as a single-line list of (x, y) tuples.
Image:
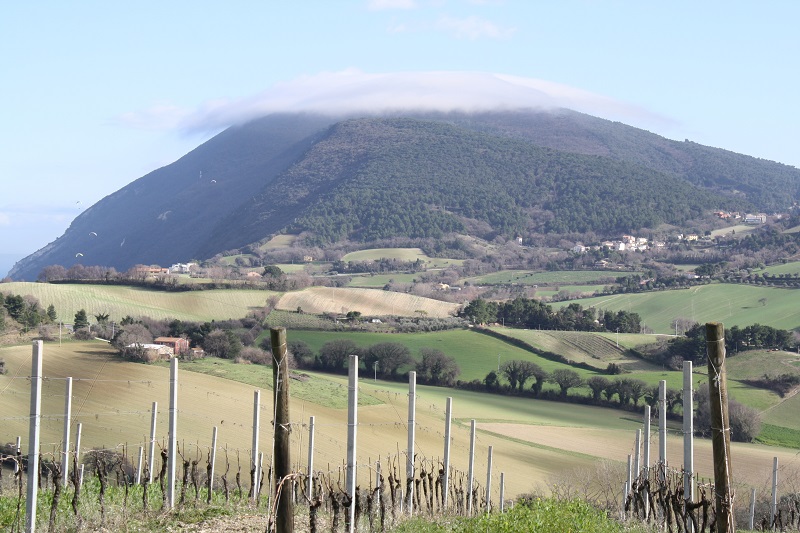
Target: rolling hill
[(327, 179)]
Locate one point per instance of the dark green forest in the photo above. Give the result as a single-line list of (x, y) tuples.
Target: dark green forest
[(374, 179)]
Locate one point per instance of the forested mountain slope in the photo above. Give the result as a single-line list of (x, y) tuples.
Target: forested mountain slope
[(365, 178)]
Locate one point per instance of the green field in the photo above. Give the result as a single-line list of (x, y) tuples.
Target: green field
[(792, 267), (560, 277), (120, 301), (738, 229), (378, 281), (573, 291), (731, 304), (403, 254)]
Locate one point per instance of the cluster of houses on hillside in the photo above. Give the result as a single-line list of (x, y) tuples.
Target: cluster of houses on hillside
[(747, 218), (626, 243)]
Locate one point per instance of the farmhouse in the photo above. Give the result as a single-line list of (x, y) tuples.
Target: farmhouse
[(153, 351), (179, 345)]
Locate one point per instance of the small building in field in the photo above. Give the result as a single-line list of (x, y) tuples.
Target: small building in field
[(153, 351), (179, 345)]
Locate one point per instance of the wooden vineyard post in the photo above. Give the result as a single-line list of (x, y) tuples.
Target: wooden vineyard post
[(283, 464), (720, 426)]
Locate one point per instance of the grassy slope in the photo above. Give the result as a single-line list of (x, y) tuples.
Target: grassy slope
[(532, 439), (119, 301), (727, 303), (532, 277), (320, 300), (404, 254)]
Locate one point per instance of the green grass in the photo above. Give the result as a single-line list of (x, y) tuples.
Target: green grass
[(731, 304), (538, 515), (120, 301), (573, 290), (561, 277), (404, 254), (378, 281), (779, 436), (792, 267)]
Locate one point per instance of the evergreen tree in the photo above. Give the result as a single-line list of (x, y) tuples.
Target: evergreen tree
[(51, 313), (81, 320)]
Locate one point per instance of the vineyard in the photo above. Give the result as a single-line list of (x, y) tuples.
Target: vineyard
[(215, 422)]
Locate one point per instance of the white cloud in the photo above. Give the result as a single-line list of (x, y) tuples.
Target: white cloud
[(353, 91), (5, 219), (383, 5), (473, 28)]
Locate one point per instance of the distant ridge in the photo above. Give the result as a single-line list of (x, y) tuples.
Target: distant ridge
[(416, 175)]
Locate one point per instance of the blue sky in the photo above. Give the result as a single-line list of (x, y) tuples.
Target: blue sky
[(96, 94)]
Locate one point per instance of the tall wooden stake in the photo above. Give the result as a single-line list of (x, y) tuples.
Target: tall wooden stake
[(283, 464), (720, 426), (34, 425)]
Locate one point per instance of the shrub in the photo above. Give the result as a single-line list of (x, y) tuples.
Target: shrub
[(83, 334)]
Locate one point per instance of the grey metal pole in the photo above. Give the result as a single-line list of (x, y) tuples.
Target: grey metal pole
[(688, 432), (489, 481), (662, 422), (139, 466), (352, 423), (448, 417), (19, 452), (637, 457), (151, 456), (310, 480), (172, 448), (752, 509), (502, 491), (254, 451), (78, 433), (774, 506), (65, 444), (471, 474), (628, 483), (646, 442), (412, 408), (34, 425), (213, 461)]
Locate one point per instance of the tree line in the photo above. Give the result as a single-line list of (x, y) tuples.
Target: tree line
[(533, 314)]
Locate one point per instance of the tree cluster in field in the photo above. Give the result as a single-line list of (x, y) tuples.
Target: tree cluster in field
[(621, 392), (25, 311), (692, 346), (386, 360), (533, 314)]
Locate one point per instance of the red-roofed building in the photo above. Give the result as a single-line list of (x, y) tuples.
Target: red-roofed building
[(179, 345)]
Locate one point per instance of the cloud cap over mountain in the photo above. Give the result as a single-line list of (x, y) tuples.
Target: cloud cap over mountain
[(353, 91)]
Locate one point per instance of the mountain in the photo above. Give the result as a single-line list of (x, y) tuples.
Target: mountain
[(417, 175)]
